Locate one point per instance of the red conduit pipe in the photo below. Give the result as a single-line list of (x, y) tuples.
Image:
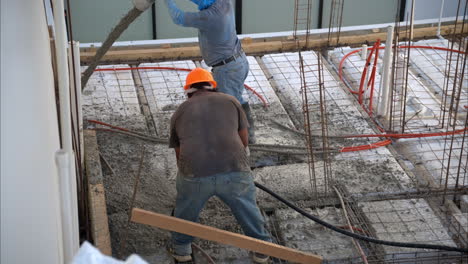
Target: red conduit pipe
[(367, 147), (108, 125), (345, 57), (363, 76), (374, 70), (372, 78), (265, 104), (344, 149), (414, 135)]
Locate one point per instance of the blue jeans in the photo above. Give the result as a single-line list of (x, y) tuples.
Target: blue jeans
[(231, 77), (236, 189)]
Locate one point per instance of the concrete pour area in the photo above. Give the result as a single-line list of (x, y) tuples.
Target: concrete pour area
[(144, 100)]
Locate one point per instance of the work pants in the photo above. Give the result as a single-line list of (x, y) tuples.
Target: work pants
[(230, 77), (236, 189)]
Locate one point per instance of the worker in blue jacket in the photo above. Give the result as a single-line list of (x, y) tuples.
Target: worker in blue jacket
[(220, 47)]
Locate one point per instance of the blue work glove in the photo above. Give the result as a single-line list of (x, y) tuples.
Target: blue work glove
[(203, 4), (176, 14)]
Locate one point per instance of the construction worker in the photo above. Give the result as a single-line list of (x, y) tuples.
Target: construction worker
[(209, 135), (220, 47)]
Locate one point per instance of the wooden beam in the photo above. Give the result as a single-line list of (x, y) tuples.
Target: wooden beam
[(221, 236), (96, 195), (256, 46)]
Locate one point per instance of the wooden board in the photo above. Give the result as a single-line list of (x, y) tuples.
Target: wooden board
[(221, 236), (258, 47), (96, 194)]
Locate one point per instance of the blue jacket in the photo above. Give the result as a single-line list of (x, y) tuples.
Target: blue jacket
[(216, 29)]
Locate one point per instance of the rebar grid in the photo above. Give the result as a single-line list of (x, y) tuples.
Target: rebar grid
[(111, 96), (335, 22), (305, 235), (424, 104), (406, 221), (435, 257), (302, 19), (449, 89), (458, 226), (361, 223), (164, 91)]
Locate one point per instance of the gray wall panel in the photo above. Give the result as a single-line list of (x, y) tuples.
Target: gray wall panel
[(94, 19), (267, 16), (363, 12), (426, 9), (165, 28)]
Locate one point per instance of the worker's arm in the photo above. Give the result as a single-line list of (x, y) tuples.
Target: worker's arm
[(244, 135), (202, 19), (242, 123), (177, 15), (174, 138), (177, 153)]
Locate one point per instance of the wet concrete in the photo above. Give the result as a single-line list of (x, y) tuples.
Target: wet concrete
[(374, 170)]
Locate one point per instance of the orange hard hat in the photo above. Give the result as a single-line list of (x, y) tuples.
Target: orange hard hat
[(199, 75)]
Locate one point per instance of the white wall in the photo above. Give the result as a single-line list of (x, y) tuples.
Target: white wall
[(30, 216)]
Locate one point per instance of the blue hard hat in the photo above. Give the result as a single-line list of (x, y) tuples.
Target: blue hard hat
[(203, 4)]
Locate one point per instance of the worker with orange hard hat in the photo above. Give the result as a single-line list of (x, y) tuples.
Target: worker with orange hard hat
[(209, 134), (220, 47)]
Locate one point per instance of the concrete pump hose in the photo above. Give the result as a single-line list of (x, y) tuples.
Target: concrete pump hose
[(353, 235), (139, 7)]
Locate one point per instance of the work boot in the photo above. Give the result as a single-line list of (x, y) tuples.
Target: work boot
[(179, 258), (260, 258), (250, 119)]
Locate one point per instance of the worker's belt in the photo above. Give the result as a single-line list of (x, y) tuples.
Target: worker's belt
[(228, 60)]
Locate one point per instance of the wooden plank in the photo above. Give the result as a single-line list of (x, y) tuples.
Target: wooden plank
[(258, 47), (221, 236), (96, 194), (99, 220)]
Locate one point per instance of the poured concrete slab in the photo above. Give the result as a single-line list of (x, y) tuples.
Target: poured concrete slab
[(411, 221), (422, 105), (429, 156), (265, 115), (344, 118), (164, 91), (156, 190), (460, 226), (303, 234), (294, 182), (434, 65), (110, 96)]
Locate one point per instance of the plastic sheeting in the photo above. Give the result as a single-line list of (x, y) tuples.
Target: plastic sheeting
[(88, 254)]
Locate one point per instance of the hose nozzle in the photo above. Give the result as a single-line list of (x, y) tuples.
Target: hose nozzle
[(142, 5)]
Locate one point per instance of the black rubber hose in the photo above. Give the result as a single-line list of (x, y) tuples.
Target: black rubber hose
[(357, 236)]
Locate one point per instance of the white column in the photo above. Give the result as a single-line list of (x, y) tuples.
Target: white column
[(31, 227), (364, 52), (384, 99), (440, 18), (70, 224)]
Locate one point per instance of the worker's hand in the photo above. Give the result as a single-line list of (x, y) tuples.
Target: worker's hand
[(247, 151), (142, 5), (176, 14)]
